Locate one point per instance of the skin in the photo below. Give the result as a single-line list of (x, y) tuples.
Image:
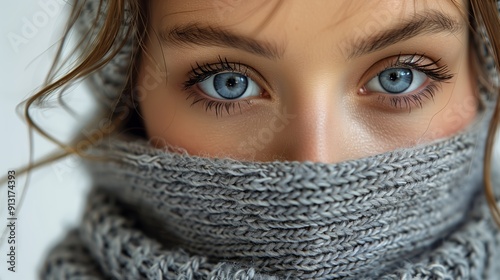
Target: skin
[(314, 104)]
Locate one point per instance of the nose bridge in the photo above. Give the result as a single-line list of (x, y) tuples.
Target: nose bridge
[(312, 122)]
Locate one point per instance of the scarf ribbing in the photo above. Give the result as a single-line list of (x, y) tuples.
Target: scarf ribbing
[(414, 213)]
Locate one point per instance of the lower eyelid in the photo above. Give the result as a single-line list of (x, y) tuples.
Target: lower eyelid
[(218, 107), (416, 100), (408, 101)]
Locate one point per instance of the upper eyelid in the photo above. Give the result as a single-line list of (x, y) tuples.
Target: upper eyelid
[(219, 67), (413, 59), (247, 71), (410, 61)]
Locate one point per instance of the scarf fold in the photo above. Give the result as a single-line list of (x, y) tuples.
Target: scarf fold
[(415, 213)]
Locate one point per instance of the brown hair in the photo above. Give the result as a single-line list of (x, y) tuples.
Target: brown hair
[(486, 14), (99, 49)]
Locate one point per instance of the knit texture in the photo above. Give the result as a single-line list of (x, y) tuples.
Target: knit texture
[(414, 213)]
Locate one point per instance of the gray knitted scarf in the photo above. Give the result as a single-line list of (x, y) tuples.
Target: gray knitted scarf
[(414, 213)]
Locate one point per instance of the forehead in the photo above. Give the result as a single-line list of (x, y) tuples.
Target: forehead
[(333, 13), (299, 22)]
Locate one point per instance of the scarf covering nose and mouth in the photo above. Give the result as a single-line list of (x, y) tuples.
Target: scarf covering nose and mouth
[(415, 213)]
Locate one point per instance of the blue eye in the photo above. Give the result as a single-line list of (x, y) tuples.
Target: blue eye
[(230, 85), (396, 81)]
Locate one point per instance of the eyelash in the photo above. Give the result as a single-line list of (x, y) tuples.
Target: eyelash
[(437, 74), (203, 72)]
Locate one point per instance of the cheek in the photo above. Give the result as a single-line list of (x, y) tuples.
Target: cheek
[(451, 110), (171, 118), (459, 110)]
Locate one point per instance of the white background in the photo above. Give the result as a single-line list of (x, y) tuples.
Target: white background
[(29, 33)]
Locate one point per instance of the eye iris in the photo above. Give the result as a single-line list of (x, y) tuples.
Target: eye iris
[(230, 85), (396, 80)]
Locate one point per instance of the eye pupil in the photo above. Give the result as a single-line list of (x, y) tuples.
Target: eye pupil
[(396, 80), (230, 85), (231, 82), (394, 76)]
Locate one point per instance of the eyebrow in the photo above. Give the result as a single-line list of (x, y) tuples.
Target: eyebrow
[(208, 36), (432, 22)]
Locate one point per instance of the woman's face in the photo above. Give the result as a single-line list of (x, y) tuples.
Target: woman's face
[(320, 80)]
